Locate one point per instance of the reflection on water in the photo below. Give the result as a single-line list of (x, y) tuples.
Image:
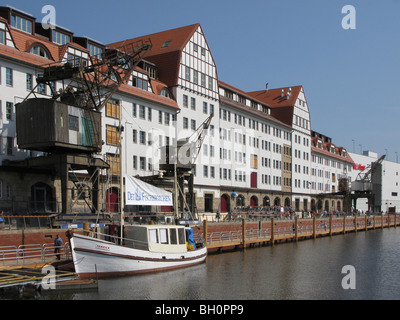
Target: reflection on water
[(305, 270)]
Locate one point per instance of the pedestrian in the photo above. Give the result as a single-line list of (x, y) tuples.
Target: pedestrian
[(57, 246)]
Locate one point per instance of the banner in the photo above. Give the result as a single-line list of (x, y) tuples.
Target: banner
[(140, 193)]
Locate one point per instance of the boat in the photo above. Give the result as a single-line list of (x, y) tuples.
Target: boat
[(146, 249)]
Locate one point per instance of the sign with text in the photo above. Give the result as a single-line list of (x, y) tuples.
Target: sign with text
[(140, 193)]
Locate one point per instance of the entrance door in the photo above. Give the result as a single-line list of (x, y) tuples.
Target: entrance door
[(39, 198), (208, 202), (225, 203)]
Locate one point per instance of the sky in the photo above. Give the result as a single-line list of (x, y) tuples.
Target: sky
[(350, 77)]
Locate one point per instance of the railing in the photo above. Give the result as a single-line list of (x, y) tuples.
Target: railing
[(25, 253), (305, 228)]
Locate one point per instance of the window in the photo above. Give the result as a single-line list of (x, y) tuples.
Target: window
[(164, 236), (187, 73), (142, 114), (166, 44), (60, 38), (185, 123), (95, 50), (205, 107), (185, 101), (39, 51), (142, 163), (193, 103), (166, 118), (9, 76), (114, 163), (160, 117), (112, 135), (112, 109), (134, 110), (195, 76), (153, 236), (134, 136), (149, 113), (73, 123), (9, 110), (142, 137), (139, 83), (2, 37), (173, 236), (41, 88), (134, 162), (181, 236), (193, 124), (21, 23)]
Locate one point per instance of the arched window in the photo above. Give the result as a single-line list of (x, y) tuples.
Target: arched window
[(165, 93), (40, 51)]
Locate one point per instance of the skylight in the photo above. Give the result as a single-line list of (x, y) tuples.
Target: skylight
[(166, 44)]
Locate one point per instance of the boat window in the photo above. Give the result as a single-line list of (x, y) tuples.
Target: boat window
[(163, 235), (181, 236), (174, 239), (153, 236)]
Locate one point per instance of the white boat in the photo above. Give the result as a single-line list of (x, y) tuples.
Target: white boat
[(146, 249)]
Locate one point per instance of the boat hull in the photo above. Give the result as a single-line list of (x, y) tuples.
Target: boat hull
[(97, 258)]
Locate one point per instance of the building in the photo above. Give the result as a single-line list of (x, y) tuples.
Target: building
[(385, 182), (260, 149)]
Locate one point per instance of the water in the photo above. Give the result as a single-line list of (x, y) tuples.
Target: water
[(310, 269)]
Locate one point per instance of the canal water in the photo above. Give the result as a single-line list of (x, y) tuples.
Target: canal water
[(310, 269)]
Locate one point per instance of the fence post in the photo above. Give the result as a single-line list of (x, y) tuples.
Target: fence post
[(205, 231), (355, 222), (314, 227), (244, 232), (272, 231), (344, 224)]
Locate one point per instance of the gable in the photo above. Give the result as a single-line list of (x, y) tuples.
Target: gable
[(8, 40)]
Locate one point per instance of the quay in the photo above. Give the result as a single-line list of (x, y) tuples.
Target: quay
[(247, 233)]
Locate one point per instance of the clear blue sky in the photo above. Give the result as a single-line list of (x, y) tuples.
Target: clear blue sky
[(350, 77)]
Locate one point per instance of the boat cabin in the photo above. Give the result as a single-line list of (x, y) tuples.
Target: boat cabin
[(160, 238)]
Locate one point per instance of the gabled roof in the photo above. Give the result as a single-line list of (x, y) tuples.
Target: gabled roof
[(166, 50), (273, 97), (282, 108), (178, 39)]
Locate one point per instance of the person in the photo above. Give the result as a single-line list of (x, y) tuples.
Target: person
[(57, 246)]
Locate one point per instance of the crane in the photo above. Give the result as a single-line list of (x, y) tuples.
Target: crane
[(91, 85), (87, 86)]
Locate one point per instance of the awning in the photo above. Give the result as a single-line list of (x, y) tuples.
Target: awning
[(139, 193)]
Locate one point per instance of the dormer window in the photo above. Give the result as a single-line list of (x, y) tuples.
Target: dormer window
[(39, 51), (60, 38), (21, 23), (165, 93)]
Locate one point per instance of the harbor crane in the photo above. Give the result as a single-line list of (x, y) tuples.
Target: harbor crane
[(70, 122)]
